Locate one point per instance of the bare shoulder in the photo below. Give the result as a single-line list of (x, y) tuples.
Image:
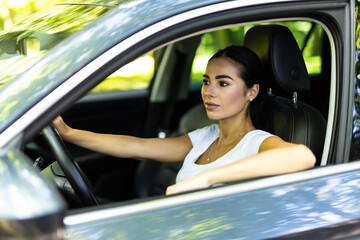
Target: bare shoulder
[(274, 142), (183, 141)]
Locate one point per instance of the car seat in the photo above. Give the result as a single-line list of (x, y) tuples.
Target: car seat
[(286, 75)]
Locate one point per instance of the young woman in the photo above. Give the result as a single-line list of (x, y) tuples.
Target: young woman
[(229, 151)]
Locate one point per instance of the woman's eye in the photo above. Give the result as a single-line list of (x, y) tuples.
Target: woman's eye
[(223, 84), (206, 82)]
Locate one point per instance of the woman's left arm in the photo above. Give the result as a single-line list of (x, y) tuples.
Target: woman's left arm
[(275, 157)]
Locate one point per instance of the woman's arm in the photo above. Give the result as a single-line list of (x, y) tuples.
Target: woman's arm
[(275, 157), (164, 150)]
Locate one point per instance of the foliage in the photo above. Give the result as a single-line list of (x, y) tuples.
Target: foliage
[(25, 42), (13, 11)]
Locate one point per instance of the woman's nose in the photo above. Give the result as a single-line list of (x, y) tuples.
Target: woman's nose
[(209, 90)]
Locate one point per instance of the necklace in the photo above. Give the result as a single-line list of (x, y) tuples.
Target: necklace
[(212, 145)]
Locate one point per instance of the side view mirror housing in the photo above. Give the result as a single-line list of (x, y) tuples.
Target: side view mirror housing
[(30, 206)]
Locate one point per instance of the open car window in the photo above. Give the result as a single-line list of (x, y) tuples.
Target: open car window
[(118, 180)]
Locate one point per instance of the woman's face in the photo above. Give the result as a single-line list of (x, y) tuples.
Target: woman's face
[(224, 92)]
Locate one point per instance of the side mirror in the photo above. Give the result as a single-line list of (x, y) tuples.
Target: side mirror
[(30, 206)]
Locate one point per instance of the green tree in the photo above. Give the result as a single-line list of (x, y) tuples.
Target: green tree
[(12, 11)]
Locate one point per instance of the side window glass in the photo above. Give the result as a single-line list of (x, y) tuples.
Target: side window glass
[(135, 75), (205, 50), (307, 34), (210, 43)]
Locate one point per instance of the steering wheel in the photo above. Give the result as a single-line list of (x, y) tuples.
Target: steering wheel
[(76, 177)]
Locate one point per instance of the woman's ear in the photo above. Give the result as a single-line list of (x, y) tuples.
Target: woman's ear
[(253, 91)]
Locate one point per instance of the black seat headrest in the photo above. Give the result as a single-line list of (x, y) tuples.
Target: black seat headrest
[(282, 59)]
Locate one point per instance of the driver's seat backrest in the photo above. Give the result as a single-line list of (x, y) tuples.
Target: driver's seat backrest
[(286, 74)]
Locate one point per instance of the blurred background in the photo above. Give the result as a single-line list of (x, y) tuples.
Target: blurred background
[(12, 11)]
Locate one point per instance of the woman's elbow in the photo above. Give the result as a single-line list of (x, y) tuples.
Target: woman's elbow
[(307, 157)]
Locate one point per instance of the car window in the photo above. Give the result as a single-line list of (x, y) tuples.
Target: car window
[(307, 35), (135, 75), (311, 48)]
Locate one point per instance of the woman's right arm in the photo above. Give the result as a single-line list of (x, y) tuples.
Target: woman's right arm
[(158, 149)]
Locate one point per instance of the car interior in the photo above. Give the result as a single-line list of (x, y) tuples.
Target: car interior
[(166, 102)]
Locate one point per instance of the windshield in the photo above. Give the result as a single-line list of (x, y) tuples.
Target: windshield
[(27, 41)]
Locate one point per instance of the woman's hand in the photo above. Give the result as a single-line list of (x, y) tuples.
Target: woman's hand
[(60, 126), (200, 181)]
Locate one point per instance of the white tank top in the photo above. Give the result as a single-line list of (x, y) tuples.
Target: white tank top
[(201, 140)]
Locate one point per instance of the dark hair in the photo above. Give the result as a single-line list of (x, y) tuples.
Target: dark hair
[(251, 71)]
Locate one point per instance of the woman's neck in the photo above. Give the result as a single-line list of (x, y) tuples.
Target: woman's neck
[(231, 129)]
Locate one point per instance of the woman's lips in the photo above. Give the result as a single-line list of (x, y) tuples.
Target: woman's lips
[(211, 106)]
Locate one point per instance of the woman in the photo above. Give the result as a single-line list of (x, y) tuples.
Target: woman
[(229, 151)]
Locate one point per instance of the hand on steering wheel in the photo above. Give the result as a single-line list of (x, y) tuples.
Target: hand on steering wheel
[(77, 179)]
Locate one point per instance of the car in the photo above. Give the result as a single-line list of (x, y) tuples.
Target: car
[(134, 67)]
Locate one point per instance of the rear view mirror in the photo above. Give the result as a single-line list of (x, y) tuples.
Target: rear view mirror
[(32, 46)]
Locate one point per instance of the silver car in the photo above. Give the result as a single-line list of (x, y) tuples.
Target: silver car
[(134, 67)]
